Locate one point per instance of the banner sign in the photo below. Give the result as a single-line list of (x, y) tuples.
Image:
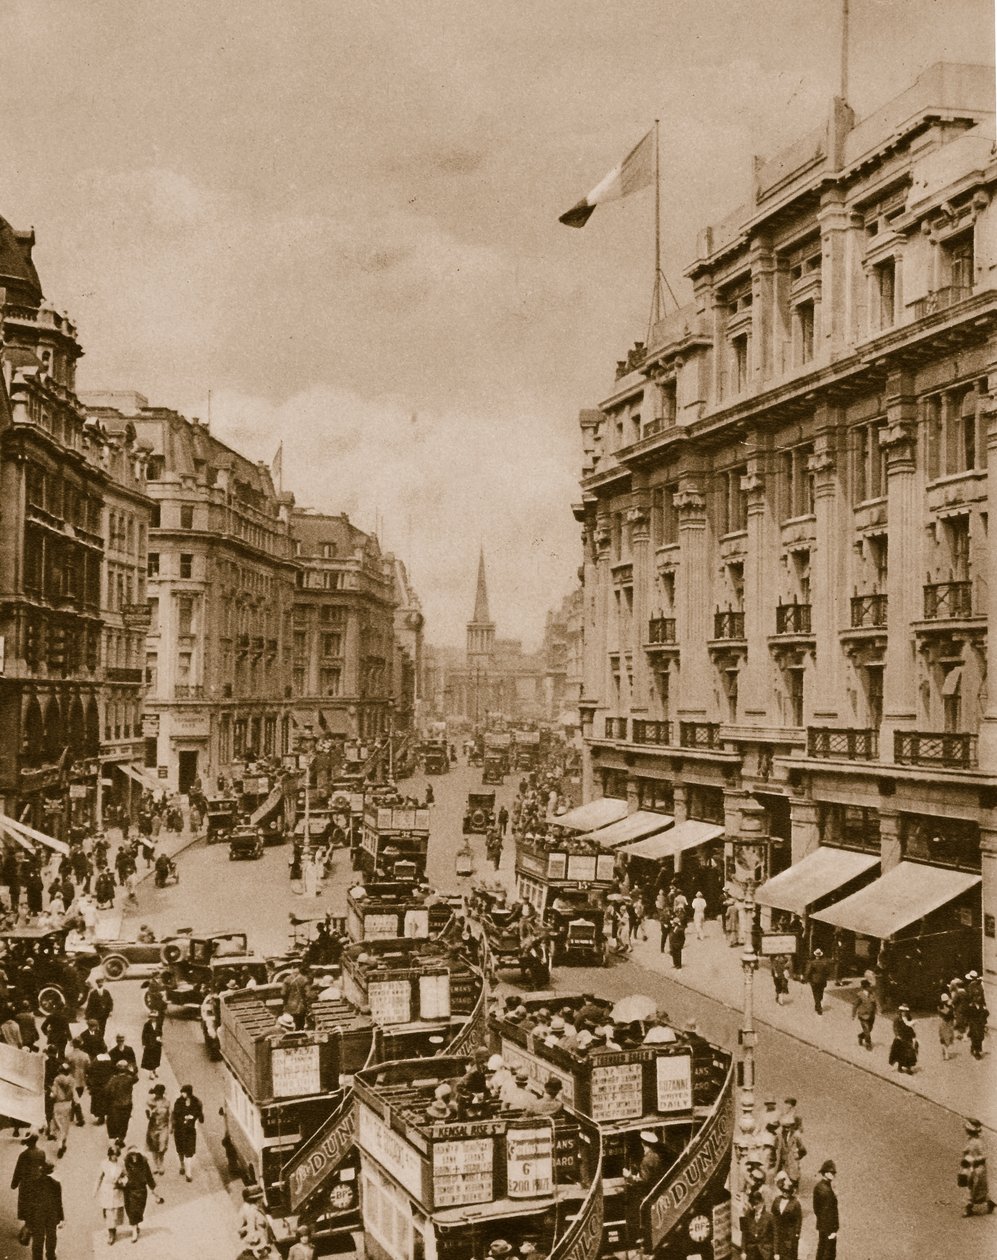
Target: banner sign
[(322, 1153), (529, 1162)]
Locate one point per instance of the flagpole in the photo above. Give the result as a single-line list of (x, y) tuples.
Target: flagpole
[(657, 219)]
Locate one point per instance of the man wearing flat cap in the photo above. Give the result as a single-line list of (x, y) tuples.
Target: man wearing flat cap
[(826, 1212)]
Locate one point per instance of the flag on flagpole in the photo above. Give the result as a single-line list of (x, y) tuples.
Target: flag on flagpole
[(277, 469), (635, 172)]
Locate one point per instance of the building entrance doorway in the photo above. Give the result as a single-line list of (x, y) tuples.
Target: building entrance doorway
[(186, 769)]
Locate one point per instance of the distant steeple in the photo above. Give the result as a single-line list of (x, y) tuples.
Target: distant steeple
[(481, 616)]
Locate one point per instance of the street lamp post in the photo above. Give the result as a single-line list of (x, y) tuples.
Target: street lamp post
[(751, 850), (306, 746)]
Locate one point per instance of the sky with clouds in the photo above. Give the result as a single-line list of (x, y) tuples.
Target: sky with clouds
[(340, 217)]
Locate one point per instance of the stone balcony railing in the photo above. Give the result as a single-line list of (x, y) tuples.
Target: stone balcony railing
[(615, 728), (845, 744), (728, 624), (661, 630), (651, 732), (953, 750), (940, 300), (699, 735), (948, 600), (868, 611), (792, 619)]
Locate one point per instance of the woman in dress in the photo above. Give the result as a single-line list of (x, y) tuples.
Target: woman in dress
[(109, 1191), (152, 1044), (187, 1115), (903, 1052), (157, 1130), (946, 1024), (973, 1171), (138, 1182)]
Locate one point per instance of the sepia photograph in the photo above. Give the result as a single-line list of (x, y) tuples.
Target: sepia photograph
[(497, 755)]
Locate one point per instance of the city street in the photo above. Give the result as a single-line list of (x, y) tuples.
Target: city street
[(890, 1147)]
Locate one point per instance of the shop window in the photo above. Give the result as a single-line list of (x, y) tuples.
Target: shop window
[(848, 826), (656, 795), (952, 842), (705, 803), (614, 784)]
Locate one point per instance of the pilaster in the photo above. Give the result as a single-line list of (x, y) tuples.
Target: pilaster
[(804, 831), (827, 577), (763, 265), (890, 846), (680, 803), (898, 441), (760, 591), (638, 519), (693, 603)]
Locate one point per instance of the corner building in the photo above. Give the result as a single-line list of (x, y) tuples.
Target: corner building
[(785, 499), (220, 583)]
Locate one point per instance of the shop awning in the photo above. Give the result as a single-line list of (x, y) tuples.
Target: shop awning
[(593, 815), (140, 777), (633, 827), (817, 875), (686, 835), (22, 830), (897, 899)]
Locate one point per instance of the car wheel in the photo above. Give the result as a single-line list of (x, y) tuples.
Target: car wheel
[(171, 952), (114, 966), (51, 999)]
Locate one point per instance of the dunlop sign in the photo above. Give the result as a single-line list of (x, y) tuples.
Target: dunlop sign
[(322, 1155), (583, 1241), (708, 1154)]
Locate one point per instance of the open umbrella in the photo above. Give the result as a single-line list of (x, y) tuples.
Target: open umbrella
[(635, 1006)]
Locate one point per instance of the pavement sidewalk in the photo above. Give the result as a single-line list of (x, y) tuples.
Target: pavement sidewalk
[(963, 1085)]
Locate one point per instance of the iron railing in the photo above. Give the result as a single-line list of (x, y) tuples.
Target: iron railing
[(948, 599), (940, 300), (868, 611), (699, 734), (848, 744), (792, 619), (728, 625), (648, 732), (661, 630), (952, 749)]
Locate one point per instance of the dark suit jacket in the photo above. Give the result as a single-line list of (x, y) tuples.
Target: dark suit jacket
[(788, 1224), (825, 1207), (44, 1206), (758, 1235)]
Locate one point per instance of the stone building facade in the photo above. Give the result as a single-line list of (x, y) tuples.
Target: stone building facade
[(342, 645), (788, 579), (51, 555), (220, 584)]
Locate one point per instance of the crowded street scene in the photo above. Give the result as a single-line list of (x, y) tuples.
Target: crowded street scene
[(508, 772)]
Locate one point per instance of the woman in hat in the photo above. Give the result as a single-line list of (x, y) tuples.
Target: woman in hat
[(973, 1171), (109, 1191), (903, 1052), (157, 1128), (138, 1182), (946, 1024), (187, 1115)]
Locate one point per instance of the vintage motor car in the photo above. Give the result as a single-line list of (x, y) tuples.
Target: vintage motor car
[(197, 965), (221, 816), (435, 758), (479, 813), (41, 972), (245, 841)]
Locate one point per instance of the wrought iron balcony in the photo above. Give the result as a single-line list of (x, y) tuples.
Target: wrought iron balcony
[(661, 630), (792, 619), (944, 600), (848, 744), (728, 625), (940, 300), (951, 749), (646, 732), (616, 728), (699, 734), (188, 691), (868, 611)]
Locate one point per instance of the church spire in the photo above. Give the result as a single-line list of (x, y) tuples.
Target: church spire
[(481, 616)]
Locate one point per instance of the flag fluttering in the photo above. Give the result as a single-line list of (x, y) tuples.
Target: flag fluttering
[(635, 172)]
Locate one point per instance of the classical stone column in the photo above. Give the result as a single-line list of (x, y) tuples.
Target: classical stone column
[(827, 576), (695, 700), (761, 588), (898, 441), (643, 577), (763, 266)]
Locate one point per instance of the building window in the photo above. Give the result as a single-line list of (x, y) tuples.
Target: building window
[(804, 320), (848, 827), (733, 501), (614, 784), (958, 264), (953, 842), (885, 279), (705, 804), (186, 516), (668, 396), (186, 565), (794, 695), (185, 616), (870, 466), (332, 645), (956, 536), (328, 551), (952, 699), (152, 564), (656, 795), (300, 643), (740, 348), (298, 679), (330, 680), (874, 695), (797, 483), (729, 679)]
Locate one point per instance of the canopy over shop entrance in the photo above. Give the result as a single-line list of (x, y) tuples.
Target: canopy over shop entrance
[(685, 835), (592, 815), (813, 878), (897, 899), (633, 827)]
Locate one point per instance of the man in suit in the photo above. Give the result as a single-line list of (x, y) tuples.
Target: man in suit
[(44, 1214), (787, 1213), (757, 1230), (826, 1212), (817, 975), (99, 1005)]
